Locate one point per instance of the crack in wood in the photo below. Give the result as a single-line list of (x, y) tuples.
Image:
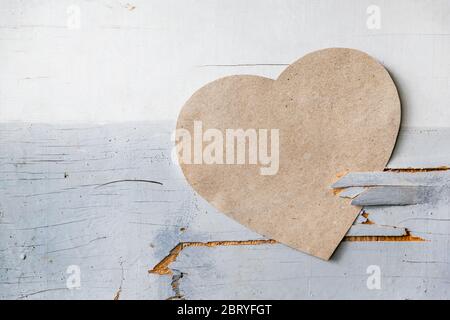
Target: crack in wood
[(129, 180), (408, 237), (119, 291), (163, 267), (414, 170)]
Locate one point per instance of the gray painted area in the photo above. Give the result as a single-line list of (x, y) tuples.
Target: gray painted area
[(395, 179), (395, 196), (421, 147), (351, 192), (68, 197), (395, 188), (78, 197)]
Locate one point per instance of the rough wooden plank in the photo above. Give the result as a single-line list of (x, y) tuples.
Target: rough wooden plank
[(58, 208), (401, 179), (50, 71), (421, 147), (395, 196), (374, 230), (53, 214), (407, 271), (394, 188)]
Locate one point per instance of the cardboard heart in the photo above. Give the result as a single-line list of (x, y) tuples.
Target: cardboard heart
[(336, 110)]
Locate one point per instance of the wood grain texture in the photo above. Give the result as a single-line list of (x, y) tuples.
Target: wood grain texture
[(125, 64), (392, 188), (143, 64), (58, 208)]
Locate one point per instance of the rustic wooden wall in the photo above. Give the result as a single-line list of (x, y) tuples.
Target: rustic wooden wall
[(89, 93)]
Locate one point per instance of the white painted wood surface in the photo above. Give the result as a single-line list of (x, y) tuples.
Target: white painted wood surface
[(143, 60), (140, 61)]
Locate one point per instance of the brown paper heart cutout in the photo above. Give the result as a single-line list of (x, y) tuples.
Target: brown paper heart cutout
[(336, 110)]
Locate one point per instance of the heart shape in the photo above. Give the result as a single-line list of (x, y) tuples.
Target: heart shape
[(337, 110)]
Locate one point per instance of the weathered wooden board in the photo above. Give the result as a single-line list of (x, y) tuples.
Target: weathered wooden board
[(67, 199), (112, 60)]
